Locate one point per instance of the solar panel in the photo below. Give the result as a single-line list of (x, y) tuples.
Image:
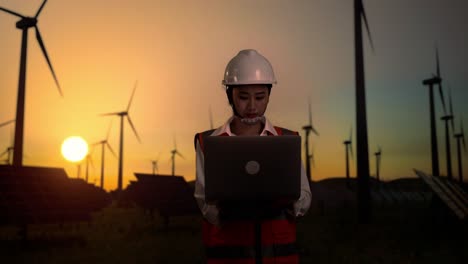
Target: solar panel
[(441, 188), (169, 195), (31, 195)]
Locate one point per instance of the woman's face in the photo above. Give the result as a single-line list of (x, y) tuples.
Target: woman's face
[(250, 101)]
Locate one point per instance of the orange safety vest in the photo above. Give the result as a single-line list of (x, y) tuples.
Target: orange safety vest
[(267, 239)]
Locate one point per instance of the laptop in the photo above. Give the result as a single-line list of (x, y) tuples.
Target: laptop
[(252, 168)]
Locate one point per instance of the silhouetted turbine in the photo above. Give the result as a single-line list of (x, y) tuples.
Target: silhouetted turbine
[(9, 149), (435, 80), (363, 190), (154, 163), (377, 162), (308, 128), (460, 137), (8, 152), (89, 160), (103, 144), (448, 151), (24, 24), (348, 149), (122, 115), (173, 153)]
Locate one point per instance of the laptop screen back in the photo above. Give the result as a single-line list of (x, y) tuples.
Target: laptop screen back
[(252, 168)]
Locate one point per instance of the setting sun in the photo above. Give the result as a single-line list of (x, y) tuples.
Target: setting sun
[(74, 148)]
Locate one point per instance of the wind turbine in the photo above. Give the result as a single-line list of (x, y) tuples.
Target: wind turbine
[(173, 153), (9, 149), (122, 115), (435, 80), (460, 137), (24, 24), (8, 153), (89, 160), (154, 163), (377, 162), (348, 149), (308, 128), (448, 152), (103, 144), (363, 190)]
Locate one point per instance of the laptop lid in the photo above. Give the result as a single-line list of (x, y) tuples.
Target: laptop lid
[(253, 168)]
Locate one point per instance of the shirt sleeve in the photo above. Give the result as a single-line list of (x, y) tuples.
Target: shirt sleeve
[(210, 212), (301, 206)]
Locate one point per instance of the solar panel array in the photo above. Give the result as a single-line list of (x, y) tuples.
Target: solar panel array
[(36, 195), (449, 192), (169, 195)]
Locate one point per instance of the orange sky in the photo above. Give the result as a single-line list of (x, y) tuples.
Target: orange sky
[(177, 50)]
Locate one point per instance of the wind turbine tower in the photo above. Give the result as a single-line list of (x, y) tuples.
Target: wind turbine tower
[(122, 115), (308, 128), (435, 80), (363, 190), (103, 144), (24, 24), (348, 150), (173, 153), (448, 152), (378, 155), (460, 137)]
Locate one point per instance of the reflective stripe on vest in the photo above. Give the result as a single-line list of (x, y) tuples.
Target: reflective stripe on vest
[(236, 241)]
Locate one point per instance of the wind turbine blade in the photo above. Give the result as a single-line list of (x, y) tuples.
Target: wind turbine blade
[(440, 84), (351, 134), (107, 114), (131, 97), (178, 153), (310, 112), (7, 122), (133, 128), (12, 12), (44, 51), (4, 152), (315, 131), (351, 150), (40, 9), (110, 148), (363, 13)]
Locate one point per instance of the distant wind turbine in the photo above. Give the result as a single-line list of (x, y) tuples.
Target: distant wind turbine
[(363, 190), (308, 128), (104, 143), (446, 118), (9, 149), (348, 150), (24, 24), (154, 163), (435, 80), (378, 156), (89, 160), (460, 137), (173, 153), (122, 115)]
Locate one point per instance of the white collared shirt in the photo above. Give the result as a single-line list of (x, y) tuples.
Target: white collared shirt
[(211, 212)]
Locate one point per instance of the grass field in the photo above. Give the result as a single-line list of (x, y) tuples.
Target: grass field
[(128, 235)]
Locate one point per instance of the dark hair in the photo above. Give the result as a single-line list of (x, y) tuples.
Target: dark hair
[(229, 90)]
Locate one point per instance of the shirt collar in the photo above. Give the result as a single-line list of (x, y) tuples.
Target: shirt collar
[(269, 129)]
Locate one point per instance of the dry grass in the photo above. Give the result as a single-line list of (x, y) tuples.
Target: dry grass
[(128, 235)]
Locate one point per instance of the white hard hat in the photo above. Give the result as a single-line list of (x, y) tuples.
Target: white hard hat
[(248, 67)]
